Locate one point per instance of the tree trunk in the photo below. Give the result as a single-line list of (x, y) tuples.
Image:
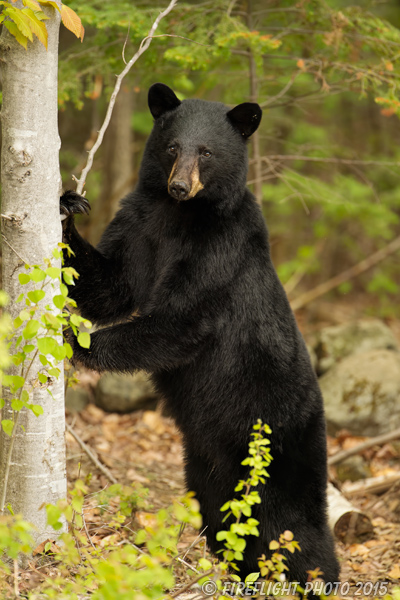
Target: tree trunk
[(118, 165), (31, 229)]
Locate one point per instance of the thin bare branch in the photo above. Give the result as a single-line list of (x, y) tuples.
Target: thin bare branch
[(13, 249), (145, 43), (283, 90), (354, 271), (333, 159)]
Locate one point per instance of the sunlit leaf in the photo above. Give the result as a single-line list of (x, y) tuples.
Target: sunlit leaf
[(36, 25), (50, 3), (71, 21), (31, 329), (31, 4), (46, 345), (23, 277), (36, 295), (7, 426), (17, 15), (37, 409), (84, 339)]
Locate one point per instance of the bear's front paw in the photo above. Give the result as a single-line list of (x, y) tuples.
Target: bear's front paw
[(72, 203)]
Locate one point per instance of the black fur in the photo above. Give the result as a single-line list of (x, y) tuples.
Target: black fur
[(214, 327)]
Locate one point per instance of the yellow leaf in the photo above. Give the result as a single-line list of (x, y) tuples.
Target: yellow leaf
[(17, 15), (301, 64), (50, 3), (389, 66), (31, 4), (72, 21), (36, 26), (13, 29)]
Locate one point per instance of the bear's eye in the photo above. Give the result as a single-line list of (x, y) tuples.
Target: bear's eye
[(172, 149), (206, 153)]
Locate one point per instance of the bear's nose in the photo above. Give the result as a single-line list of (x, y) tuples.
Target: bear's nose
[(179, 190)]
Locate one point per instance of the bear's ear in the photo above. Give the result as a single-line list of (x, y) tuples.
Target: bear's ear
[(245, 118), (161, 99)]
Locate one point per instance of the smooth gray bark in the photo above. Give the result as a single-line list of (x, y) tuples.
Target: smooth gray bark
[(31, 229)]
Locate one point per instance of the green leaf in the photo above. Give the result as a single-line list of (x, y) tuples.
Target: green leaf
[(46, 345), (84, 339), (20, 297), (31, 329), (53, 272), (54, 372), (25, 396), (2, 403), (43, 360), (38, 275), (76, 319), (68, 350), (36, 296), (14, 382), (17, 404), (59, 353), (17, 322), (23, 277), (53, 516), (28, 348), (37, 409), (59, 301), (42, 378), (7, 426)]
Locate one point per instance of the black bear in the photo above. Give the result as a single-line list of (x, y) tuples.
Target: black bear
[(184, 281)]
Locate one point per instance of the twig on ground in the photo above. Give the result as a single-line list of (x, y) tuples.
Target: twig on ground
[(372, 485), (191, 582), (375, 441), (90, 454)]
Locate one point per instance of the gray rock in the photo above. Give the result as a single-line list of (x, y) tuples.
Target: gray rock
[(76, 399), (362, 393), (335, 343), (352, 469), (125, 393)]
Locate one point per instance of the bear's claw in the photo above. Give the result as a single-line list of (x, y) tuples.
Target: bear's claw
[(72, 203)]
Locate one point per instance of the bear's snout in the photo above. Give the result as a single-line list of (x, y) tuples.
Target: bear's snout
[(179, 190)]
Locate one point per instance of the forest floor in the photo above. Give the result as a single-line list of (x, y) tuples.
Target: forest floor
[(145, 447)]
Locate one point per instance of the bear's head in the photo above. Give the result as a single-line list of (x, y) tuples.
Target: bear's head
[(201, 146)]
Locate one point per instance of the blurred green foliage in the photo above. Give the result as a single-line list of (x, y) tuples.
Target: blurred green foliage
[(326, 75)]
